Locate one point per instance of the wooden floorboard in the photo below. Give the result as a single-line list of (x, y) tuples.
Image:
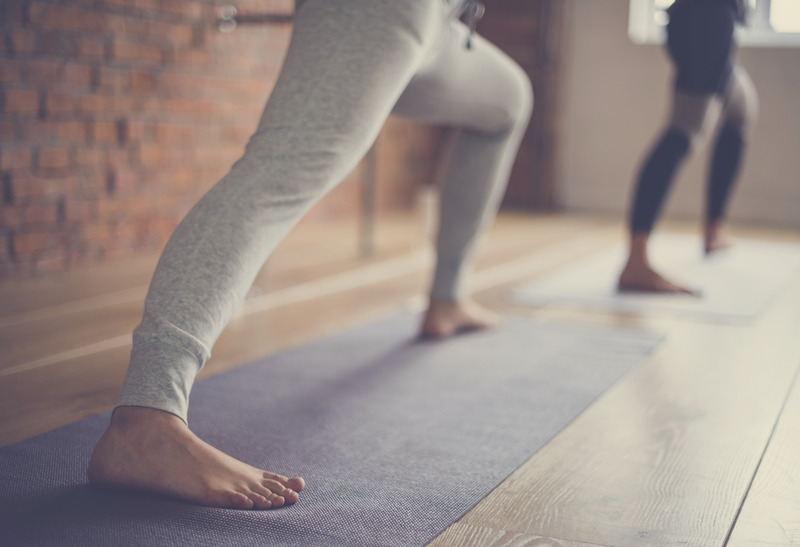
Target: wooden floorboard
[(697, 442), (460, 534), (666, 456), (770, 514)]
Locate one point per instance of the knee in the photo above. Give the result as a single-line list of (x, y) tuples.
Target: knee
[(690, 116), (520, 103), (689, 134)]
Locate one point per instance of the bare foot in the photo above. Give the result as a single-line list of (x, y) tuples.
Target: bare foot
[(643, 278), (715, 239), (445, 318), (151, 450)]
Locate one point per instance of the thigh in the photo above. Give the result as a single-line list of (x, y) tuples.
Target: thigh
[(700, 42), (348, 62), (694, 114), (740, 107), (480, 88)]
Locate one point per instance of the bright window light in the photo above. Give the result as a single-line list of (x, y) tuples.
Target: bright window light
[(784, 15), (772, 23)]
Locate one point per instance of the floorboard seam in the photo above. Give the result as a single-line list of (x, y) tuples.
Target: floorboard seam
[(761, 458)]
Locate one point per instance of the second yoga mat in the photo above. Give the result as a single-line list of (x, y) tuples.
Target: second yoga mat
[(736, 283), (396, 438)]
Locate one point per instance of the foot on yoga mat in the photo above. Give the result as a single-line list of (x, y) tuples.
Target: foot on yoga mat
[(153, 450), (396, 439)]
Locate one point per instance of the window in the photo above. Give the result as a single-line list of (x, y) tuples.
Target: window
[(772, 23)]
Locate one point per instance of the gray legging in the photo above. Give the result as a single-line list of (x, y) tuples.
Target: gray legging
[(350, 64)]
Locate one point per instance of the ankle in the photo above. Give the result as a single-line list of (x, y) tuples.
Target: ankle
[(128, 418), (443, 304)]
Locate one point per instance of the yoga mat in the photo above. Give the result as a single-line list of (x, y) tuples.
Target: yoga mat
[(396, 438), (736, 283)]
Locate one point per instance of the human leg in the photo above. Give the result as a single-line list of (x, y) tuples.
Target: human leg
[(689, 118), (487, 99), (700, 42), (346, 66), (739, 112)]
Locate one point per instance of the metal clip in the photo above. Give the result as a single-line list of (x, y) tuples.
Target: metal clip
[(474, 11), (228, 18)]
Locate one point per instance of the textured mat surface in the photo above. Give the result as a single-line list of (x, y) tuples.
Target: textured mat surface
[(396, 438), (736, 283)]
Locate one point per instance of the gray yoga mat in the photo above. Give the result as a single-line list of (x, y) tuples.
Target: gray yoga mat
[(396, 438), (736, 283)]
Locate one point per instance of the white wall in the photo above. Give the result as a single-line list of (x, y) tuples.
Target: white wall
[(615, 102)]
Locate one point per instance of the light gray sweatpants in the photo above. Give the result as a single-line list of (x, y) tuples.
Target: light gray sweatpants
[(349, 65)]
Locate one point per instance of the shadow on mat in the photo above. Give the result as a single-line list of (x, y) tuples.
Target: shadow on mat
[(93, 515)]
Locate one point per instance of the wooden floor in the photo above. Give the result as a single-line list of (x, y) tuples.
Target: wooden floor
[(700, 445)]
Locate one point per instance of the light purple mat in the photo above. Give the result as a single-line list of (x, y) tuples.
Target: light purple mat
[(396, 438)]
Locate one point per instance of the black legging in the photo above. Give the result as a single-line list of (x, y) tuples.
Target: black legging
[(701, 45)]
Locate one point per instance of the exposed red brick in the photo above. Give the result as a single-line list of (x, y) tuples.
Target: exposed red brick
[(140, 131), (10, 71), (152, 155), (117, 3), (51, 157), (77, 74), (49, 42), (104, 132), (184, 10), (80, 212), (40, 215), (29, 243), (59, 102), (137, 107), (44, 72), (146, 5), (13, 13), (185, 135), (130, 51), (21, 101), (12, 158), (90, 47), (22, 40), (7, 132), (10, 217), (113, 79), (66, 17), (90, 157), (25, 186), (141, 80), (37, 130), (73, 131)]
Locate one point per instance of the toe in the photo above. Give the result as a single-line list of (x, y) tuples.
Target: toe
[(290, 496), (260, 501), (274, 486), (277, 501), (296, 483), (240, 501)]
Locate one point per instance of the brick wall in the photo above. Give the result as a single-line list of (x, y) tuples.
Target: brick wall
[(117, 115)]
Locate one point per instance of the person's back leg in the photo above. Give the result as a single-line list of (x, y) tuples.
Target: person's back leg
[(487, 99), (347, 64), (739, 113), (690, 113), (700, 42)]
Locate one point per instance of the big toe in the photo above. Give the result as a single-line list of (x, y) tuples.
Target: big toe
[(296, 483)]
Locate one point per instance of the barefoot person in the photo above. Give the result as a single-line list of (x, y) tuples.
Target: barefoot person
[(349, 65), (701, 44)]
